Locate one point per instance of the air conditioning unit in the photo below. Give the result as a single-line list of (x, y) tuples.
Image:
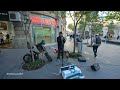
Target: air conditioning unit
[(14, 16)]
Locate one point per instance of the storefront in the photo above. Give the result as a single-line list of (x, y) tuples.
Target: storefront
[(43, 28), (6, 27)]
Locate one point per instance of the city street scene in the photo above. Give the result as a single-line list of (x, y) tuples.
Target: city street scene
[(59, 44)]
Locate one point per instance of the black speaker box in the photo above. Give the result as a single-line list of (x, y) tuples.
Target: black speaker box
[(95, 67), (81, 59)]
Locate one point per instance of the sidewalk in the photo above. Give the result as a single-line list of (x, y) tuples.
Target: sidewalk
[(11, 62)]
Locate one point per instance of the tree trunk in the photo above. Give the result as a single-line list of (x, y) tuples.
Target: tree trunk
[(74, 39), (31, 42), (84, 29), (91, 40)]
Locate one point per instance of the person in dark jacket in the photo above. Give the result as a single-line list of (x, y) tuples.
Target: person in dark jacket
[(118, 37), (60, 41), (96, 44), (8, 38)]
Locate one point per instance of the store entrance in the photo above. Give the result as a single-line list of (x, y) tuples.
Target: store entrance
[(5, 41), (44, 33)]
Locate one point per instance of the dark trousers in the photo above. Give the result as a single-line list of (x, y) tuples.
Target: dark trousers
[(2, 41), (60, 53), (8, 40), (95, 49)]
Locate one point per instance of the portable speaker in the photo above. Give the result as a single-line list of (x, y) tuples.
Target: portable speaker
[(81, 59), (95, 67)]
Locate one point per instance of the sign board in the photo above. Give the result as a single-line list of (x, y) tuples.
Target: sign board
[(4, 16), (39, 20)]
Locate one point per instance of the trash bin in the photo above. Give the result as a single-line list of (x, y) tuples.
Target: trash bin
[(77, 40), (80, 46)]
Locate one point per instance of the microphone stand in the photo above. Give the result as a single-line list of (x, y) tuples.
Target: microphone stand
[(62, 51)]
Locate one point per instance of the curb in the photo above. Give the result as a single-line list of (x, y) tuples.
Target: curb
[(113, 42)]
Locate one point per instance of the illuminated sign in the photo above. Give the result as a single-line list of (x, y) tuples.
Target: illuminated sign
[(38, 20)]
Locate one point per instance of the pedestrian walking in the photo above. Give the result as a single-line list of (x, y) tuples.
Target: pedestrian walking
[(1, 39), (118, 37), (96, 44), (8, 38), (70, 36), (60, 41)]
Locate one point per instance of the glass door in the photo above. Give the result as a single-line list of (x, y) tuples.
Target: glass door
[(43, 34)]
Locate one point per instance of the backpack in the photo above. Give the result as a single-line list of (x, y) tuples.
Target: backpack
[(98, 40)]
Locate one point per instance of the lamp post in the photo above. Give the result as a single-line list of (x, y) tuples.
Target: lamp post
[(28, 21)]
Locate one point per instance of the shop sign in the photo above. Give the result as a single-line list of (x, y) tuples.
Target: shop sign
[(38, 20), (4, 16)]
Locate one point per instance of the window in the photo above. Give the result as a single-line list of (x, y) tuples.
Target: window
[(3, 26), (12, 16)]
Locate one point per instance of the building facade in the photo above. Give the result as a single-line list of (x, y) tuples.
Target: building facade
[(33, 26)]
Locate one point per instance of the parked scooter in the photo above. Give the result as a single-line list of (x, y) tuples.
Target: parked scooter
[(28, 57)]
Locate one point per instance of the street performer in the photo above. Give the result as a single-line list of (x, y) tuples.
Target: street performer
[(60, 41)]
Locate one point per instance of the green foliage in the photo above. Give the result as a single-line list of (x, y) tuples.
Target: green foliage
[(82, 25), (97, 27), (89, 17), (113, 15), (82, 18), (111, 26), (71, 26), (74, 55), (33, 65), (61, 13)]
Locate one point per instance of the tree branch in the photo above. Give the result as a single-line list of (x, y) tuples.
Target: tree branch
[(71, 17), (79, 18)]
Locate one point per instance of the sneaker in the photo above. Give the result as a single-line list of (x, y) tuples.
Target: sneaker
[(95, 55)]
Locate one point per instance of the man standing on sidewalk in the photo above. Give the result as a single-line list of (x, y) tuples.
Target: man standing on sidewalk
[(60, 41), (96, 44)]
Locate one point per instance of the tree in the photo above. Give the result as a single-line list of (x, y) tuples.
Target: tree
[(95, 23), (61, 14), (89, 19), (112, 15), (27, 23), (76, 16), (70, 26)]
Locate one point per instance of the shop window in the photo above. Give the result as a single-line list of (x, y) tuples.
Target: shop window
[(45, 33), (3, 26), (12, 16)]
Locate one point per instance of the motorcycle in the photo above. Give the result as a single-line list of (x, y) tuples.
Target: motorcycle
[(28, 57)]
